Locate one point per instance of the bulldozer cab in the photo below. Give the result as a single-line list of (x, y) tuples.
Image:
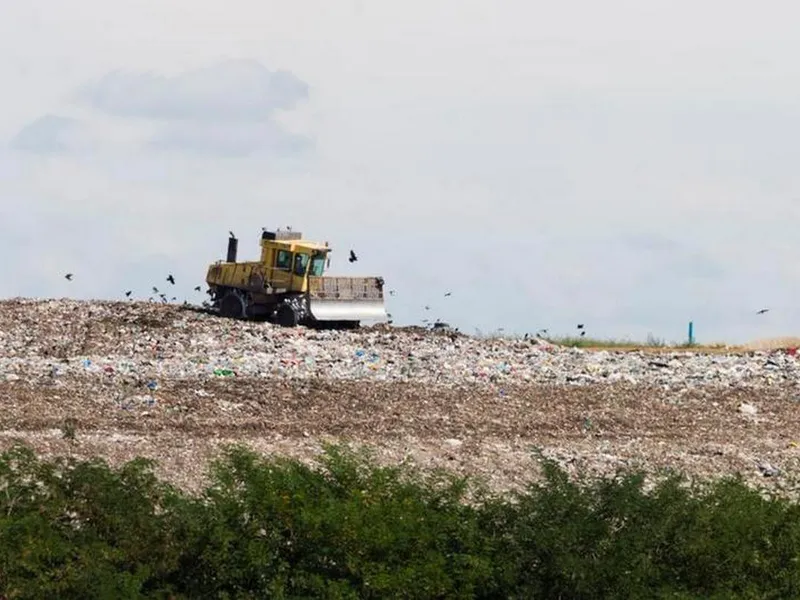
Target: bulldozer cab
[(288, 265), (305, 263), (280, 273), (312, 263)]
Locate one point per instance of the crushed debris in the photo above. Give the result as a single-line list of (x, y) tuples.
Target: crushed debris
[(173, 384)]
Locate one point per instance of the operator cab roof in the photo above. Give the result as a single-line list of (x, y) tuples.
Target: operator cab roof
[(287, 238), (302, 244)]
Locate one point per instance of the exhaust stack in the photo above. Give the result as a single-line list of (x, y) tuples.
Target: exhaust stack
[(233, 245)]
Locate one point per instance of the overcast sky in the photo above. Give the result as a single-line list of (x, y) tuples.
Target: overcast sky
[(624, 164)]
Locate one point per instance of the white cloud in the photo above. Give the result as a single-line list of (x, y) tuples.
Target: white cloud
[(231, 90), (228, 109), (47, 134)]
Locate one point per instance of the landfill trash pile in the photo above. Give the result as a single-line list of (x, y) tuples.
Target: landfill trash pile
[(79, 339), (173, 383)]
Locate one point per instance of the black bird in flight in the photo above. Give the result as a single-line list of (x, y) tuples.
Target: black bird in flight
[(128, 294), (155, 290), (197, 288), (171, 279), (353, 258), (448, 294), (762, 311), (68, 276), (580, 325)]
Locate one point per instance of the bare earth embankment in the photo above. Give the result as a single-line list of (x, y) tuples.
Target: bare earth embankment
[(159, 381)]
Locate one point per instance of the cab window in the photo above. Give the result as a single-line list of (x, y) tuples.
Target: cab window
[(283, 260), (317, 266), (300, 264)]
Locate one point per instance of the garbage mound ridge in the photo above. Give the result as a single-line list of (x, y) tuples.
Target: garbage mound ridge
[(75, 338)]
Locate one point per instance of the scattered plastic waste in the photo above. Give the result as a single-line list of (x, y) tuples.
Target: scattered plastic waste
[(152, 344), (137, 402), (109, 362)]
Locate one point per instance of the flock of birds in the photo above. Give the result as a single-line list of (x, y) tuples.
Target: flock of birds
[(351, 258), (170, 278), (437, 323)]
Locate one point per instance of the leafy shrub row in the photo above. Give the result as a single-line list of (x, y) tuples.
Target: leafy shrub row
[(347, 528)]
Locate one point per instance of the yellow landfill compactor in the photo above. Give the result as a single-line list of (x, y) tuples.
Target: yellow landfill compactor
[(288, 287)]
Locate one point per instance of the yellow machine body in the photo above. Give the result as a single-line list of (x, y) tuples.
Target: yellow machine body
[(288, 285)]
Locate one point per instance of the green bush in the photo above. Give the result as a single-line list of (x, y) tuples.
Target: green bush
[(80, 529), (348, 528)]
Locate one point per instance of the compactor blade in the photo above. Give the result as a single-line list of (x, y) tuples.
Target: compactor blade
[(346, 299), (347, 310)]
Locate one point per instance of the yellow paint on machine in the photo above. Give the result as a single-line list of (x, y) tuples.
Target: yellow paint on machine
[(290, 266)]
